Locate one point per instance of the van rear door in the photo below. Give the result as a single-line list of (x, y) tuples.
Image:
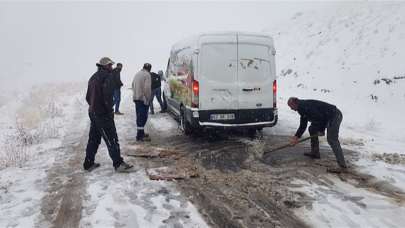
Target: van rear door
[(255, 75), (218, 73)]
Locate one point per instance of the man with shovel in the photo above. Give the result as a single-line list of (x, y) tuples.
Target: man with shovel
[(322, 116)]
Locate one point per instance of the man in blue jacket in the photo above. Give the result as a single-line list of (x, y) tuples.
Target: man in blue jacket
[(322, 116)]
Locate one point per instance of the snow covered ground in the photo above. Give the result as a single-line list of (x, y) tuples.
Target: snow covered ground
[(33, 125), (132, 200), (54, 119), (350, 55)]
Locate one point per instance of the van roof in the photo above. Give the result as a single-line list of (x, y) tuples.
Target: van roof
[(194, 41)]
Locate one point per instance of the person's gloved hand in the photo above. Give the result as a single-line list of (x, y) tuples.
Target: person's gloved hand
[(293, 140)]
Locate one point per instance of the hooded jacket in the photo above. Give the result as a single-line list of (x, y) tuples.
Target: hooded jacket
[(100, 92), (142, 87)]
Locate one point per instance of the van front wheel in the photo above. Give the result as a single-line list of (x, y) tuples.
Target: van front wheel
[(184, 124)]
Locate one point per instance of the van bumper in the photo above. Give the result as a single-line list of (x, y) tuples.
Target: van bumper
[(248, 118)]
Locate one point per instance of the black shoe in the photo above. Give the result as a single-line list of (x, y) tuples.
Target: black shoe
[(118, 113), (162, 111), (92, 167), (313, 156)]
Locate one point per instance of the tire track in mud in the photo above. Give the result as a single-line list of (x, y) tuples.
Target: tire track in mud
[(225, 193), (237, 189), (62, 204)]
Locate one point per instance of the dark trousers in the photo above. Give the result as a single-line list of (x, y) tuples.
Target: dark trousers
[(141, 118), (102, 127), (158, 94), (117, 99), (332, 137)]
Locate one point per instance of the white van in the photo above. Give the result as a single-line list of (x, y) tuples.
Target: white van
[(222, 80)]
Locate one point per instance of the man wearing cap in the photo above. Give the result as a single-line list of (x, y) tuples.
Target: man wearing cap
[(156, 90), (99, 97), (142, 94), (322, 116)]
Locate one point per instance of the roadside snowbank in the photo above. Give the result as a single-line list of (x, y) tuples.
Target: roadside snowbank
[(34, 125)]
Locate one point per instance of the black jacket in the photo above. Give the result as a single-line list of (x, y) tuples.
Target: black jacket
[(156, 80), (319, 113), (117, 78), (100, 92)]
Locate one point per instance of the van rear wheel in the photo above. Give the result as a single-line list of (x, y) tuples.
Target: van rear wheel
[(184, 124)]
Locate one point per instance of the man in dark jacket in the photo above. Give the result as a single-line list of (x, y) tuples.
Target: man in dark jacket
[(116, 72), (322, 116), (99, 97), (156, 90)]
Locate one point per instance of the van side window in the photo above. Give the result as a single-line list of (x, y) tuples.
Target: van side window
[(181, 62)]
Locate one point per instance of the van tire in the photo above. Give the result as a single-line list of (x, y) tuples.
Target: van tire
[(184, 124)]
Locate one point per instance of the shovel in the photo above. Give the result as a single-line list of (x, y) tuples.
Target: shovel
[(288, 145)]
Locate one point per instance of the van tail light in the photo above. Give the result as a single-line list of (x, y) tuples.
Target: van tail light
[(196, 88), (196, 91), (275, 94)]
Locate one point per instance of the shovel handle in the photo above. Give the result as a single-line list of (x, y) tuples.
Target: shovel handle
[(289, 144)]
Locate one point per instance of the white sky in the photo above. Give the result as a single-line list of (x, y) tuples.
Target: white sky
[(62, 41)]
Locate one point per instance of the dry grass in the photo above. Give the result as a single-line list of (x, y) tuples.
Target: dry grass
[(36, 121)]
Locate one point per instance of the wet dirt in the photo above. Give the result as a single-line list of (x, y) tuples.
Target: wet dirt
[(236, 187)]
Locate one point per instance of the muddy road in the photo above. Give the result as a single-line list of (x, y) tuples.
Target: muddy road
[(237, 188)]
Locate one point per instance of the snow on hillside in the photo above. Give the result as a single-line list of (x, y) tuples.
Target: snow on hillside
[(351, 55)]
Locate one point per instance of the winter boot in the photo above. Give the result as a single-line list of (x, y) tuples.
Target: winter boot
[(91, 167), (124, 168), (314, 149)]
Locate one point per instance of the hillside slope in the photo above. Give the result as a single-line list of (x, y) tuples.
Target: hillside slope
[(349, 54)]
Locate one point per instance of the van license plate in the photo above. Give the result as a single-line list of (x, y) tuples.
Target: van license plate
[(229, 116)]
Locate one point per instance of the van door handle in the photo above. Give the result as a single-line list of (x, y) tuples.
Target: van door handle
[(250, 89), (247, 90)]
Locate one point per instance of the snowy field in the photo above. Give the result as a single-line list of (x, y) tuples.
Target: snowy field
[(110, 200), (351, 56), (33, 125)]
